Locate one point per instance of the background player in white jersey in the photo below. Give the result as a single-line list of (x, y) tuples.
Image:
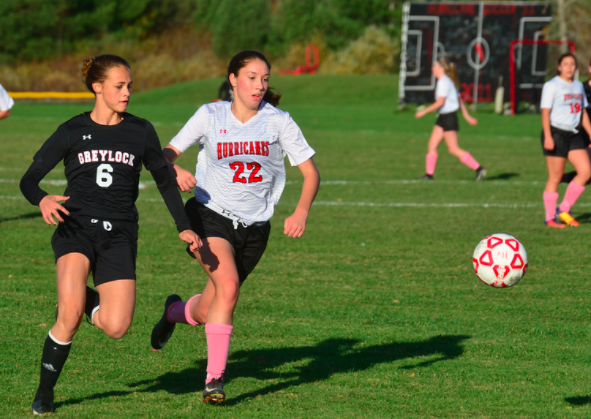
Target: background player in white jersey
[(239, 179), (447, 102), (6, 103), (103, 152), (563, 117)]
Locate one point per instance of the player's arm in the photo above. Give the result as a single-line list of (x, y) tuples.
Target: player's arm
[(50, 154), (295, 225), (586, 123), (185, 180), (469, 119), (433, 107), (548, 140)]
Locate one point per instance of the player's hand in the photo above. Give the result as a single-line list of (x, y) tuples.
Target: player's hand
[(419, 114), (549, 143), (50, 207), (471, 120), (190, 237), (295, 224), (184, 179)]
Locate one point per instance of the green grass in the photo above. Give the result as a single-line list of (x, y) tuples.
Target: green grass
[(375, 312)]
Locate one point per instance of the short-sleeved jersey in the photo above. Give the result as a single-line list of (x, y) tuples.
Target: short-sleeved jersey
[(565, 101), (102, 163), (6, 102), (447, 89), (240, 166), (588, 97)]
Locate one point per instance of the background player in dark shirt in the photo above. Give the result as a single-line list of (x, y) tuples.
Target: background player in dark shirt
[(103, 152)]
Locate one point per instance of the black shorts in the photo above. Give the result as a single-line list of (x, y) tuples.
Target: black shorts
[(249, 243), (565, 141), (448, 121), (110, 246)]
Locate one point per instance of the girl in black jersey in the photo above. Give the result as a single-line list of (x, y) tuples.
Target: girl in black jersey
[(103, 152)]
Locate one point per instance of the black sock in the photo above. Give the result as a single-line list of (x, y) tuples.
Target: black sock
[(568, 177), (52, 361), (92, 300)]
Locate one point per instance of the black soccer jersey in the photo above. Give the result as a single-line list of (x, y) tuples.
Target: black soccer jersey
[(102, 167), (588, 94)]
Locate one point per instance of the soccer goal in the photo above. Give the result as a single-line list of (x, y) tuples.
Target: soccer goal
[(530, 62)]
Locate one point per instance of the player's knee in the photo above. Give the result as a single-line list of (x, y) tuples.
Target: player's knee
[(69, 318), (115, 330), (229, 292)]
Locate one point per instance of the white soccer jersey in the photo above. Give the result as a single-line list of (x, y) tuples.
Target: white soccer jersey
[(447, 89), (240, 167), (6, 102), (565, 101)]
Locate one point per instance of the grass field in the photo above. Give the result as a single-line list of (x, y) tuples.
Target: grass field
[(374, 313)]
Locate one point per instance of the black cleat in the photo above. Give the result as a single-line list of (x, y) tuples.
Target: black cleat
[(42, 407), (480, 173), (214, 391), (163, 329), (425, 177)]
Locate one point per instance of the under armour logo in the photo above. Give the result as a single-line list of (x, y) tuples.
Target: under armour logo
[(86, 137)]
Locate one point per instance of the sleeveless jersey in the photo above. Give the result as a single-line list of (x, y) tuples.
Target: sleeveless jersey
[(565, 101), (102, 164), (446, 88), (240, 166)]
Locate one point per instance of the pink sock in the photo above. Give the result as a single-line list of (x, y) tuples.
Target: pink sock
[(218, 347), (431, 162), (179, 312), (550, 200), (469, 161), (573, 191)]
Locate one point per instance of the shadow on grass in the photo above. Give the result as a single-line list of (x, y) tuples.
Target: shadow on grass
[(502, 176), (310, 364), (584, 218), (21, 217), (579, 400)]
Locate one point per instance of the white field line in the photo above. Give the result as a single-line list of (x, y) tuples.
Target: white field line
[(149, 183), (484, 205)]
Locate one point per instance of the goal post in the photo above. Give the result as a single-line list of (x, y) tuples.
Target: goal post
[(512, 64)]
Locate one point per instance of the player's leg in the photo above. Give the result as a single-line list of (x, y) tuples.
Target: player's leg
[(451, 140), (555, 166), (117, 306), (431, 157), (72, 273), (580, 161)]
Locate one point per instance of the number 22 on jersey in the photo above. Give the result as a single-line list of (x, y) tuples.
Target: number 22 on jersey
[(240, 175)]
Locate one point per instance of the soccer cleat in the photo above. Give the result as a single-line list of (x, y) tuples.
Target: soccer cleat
[(426, 177), (480, 173), (163, 329), (42, 407), (554, 224), (214, 391), (568, 219)]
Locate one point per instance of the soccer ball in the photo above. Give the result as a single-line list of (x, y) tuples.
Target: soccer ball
[(500, 260)]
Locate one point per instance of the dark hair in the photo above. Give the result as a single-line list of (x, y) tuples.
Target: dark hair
[(240, 60), (95, 69), (566, 55)]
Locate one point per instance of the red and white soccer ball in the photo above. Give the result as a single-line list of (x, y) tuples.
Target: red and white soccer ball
[(500, 260)]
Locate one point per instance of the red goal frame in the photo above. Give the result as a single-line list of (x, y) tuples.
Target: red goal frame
[(512, 60)]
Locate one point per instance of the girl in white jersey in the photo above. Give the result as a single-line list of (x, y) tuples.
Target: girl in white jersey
[(563, 114), (239, 179), (447, 102)]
